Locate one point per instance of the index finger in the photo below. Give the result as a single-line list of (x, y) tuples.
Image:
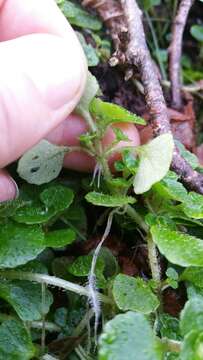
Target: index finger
[(23, 17)]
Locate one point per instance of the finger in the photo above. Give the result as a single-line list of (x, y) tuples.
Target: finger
[(68, 133), (146, 134), (18, 18), (8, 187), (42, 79)]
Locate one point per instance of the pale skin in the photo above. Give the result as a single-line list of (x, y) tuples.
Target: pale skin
[(42, 77)]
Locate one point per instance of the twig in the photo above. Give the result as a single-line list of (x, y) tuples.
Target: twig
[(136, 54), (193, 88), (111, 13), (175, 52)]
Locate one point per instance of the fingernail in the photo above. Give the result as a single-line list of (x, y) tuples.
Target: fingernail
[(8, 188), (17, 192)]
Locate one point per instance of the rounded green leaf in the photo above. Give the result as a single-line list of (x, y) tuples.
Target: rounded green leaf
[(197, 32), (9, 208), (193, 206), (82, 265), (42, 163), (155, 160), (19, 244), (15, 341), (57, 197), (169, 188), (89, 50), (25, 297), (33, 213), (76, 218), (179, 248), (192, 347), (128, 337), (148, 4), (134, 294), (45, 205), (59, 238), (169, 327), (79, 17), (109, 113), (186, 154), (191, 317), (91, 89), (193, 275), (100, 199)]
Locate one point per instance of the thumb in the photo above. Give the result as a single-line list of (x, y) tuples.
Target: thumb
[(42, 79)]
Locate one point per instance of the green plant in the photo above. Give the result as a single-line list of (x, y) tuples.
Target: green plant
[(103, 312)]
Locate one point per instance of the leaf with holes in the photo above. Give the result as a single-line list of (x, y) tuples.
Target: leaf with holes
[(134, 294), (155, 160), (42, 163)]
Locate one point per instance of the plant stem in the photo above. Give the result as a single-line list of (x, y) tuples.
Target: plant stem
[(89, 121), (43, 334), (153, 260), (79, 149), (83, 323), (105, 168), (172, 345), (132, 213), (34, 324), (49, 326), (67, 222), (50, 280)]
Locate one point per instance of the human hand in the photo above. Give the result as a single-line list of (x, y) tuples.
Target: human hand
[(42, 77)]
